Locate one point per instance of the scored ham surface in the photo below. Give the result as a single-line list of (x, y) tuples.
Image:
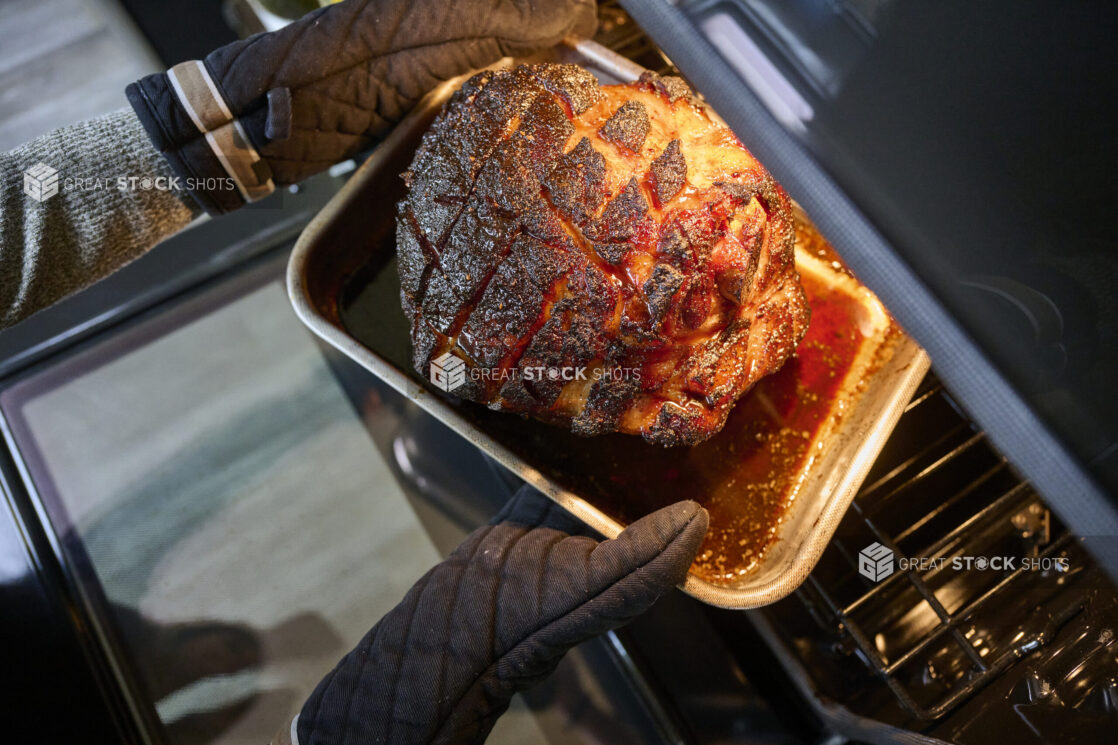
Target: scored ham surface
[(603, 258)]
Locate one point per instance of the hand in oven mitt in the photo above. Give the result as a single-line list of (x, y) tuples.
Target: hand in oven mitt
[(277, 107), (493, 619)]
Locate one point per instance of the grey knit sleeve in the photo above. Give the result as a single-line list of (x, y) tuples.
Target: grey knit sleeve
[(76, 205)]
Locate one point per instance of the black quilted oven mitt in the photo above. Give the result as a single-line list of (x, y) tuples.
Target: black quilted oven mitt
[(277, 107), (493, 619)]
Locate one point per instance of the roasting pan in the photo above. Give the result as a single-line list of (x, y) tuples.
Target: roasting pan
[(343, 285)]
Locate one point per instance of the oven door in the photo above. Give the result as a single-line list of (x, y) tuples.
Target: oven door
[(206, 508), (960, 158)]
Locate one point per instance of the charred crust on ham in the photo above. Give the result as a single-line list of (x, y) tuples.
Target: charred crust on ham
[(413, 260), (544, 130), (607, 401), (542, 262), (506, 312), (628, 126), (440, 304), (424, 343), (577, 86), (659, 290), (670, 87), (739, 191), (475, 245), (577, 182), (669, 172), (544, 351), (618, 223)]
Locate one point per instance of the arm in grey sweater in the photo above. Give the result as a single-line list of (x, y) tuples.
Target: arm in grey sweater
[(104, 215)]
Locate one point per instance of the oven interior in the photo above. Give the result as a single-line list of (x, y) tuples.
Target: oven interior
[(968, 656)]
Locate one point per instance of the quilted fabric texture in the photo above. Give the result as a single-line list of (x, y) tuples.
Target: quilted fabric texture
[(323, 88), (494, 618)]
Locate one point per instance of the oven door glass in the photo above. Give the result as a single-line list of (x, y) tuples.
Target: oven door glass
[(218, 496)]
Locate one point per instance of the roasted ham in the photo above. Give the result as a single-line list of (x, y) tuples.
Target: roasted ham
[(606, 258)]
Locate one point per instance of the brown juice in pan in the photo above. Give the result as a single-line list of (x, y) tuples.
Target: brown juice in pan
[(746, 476)]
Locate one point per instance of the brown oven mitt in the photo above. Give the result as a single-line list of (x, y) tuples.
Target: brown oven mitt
[(280, 106), (493, 619)]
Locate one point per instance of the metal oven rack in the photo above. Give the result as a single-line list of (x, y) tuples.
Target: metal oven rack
[(936, 636), (618, 32), (949, 627), (1018, 498)]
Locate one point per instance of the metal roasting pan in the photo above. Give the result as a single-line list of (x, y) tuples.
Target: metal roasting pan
[(354, 233)]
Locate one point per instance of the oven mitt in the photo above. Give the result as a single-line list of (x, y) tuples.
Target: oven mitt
[(493, 619), (277, 107)]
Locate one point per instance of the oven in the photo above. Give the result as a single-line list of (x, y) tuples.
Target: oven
[(175, 573)]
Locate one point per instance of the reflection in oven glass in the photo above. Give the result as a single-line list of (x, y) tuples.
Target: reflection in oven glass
[(243, 528)]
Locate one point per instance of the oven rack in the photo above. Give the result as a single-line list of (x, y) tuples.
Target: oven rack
[(990, 496)]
